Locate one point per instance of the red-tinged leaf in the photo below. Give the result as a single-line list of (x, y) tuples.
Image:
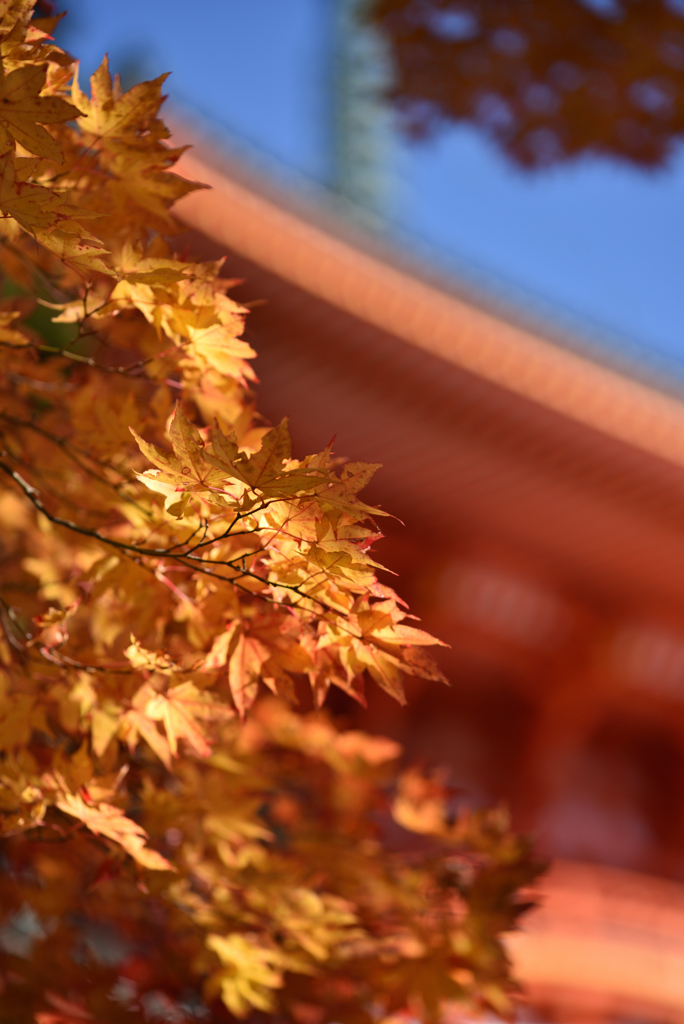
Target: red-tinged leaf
[(278, 681), (267, 463), (221, 648), (418, 663), (150, 661), (136, 723), (78, 249), (165, 461), (48, 1017), (178, 711), (104, 725), (341, 493), (224, 451), (373, 750), (244, 671), (106, 820), (53, 627), (403, 635), (187, 445), (67, 1008), (384, 669)]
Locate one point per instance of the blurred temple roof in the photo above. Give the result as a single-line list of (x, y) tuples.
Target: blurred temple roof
[(543, 497), (474, 416)]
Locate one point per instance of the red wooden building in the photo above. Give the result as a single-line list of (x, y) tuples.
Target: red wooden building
[(543, 500)]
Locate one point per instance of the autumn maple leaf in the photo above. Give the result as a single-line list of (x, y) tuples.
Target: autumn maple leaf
[(106, 820), (23, 112), (111, 114), (50, 218), (255, 573)]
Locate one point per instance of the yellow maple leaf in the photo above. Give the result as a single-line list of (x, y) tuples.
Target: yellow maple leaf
[(10, 335), (79, 248), (250, 972), (104, 724), (141, 180), (135, 724), (33, 206), (15, 14), (110, 113), (23, 112), (150, 661)]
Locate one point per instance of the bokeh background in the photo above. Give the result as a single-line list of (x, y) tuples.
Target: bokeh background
[(594, 241), (501, 183)]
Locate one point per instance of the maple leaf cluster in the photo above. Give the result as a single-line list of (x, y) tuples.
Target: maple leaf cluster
[(177, 844)]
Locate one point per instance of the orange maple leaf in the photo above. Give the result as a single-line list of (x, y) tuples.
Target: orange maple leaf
[(106, 820), (179, 709)]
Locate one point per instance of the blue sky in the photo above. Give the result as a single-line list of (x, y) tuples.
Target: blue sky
[(257, 67), (595, 244)]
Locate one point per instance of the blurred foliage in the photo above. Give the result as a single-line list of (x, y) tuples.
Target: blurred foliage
[(546, 80)]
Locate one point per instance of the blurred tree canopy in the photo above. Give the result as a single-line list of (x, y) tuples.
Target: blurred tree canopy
[(546, 80)]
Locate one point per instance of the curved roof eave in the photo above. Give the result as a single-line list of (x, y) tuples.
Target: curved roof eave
[(604, 939), (296, 248)]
